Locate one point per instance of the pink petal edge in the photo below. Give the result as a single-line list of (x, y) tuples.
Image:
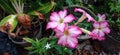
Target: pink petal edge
[(69, 18)]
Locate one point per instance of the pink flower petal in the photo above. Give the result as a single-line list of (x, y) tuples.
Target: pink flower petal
[(101, 38), (80, 10), (95, 31), (51, 25), (103, 17), (106, 30), (72, 42), (94, 36), (54, 17), (74, 31), (62, 40), (103, 24), (100, 33), (58, 33), (69, 18), (89, 18), (63, 13), (61, 27), (86, 14), (96, 25)]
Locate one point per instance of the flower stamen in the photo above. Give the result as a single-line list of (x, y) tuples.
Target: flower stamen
[(99, 28), (61, 21), (66, 32)]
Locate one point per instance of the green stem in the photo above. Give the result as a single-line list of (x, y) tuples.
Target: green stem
[(84, 8)]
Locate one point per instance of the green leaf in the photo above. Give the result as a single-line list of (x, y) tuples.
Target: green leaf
[(37, 45), (6, 6), (34, 51), (43, 42), (69, 51), (45, 8), (53, 42), (29, 48), (29, 40), (69, 2), (59, 49), (11, 19)]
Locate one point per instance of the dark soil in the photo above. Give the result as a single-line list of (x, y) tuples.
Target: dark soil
[(115, 34)]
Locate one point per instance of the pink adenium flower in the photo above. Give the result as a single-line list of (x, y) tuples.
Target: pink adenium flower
[(100, 29), (59, 20), (101, 17), (69, 37), (85, 13)]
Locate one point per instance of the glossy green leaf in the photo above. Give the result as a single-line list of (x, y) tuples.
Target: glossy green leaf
[(45, 8), (11, 19)]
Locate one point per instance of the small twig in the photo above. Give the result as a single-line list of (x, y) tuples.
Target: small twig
[(18, 30), (40, 30)]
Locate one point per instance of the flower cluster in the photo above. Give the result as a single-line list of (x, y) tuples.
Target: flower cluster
[(101, 27), (68, 34)]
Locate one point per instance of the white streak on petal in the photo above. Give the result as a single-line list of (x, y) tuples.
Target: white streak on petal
[(54, 17), (62, 40), (58, 33), (72, 42), (74, 31), (100, 33), (63, 13), (52, 25), (95, 31), (61, 27)]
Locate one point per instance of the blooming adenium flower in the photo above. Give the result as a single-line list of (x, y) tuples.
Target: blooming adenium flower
[(85, 14), (100, 29), (69, 37), (59, 20)]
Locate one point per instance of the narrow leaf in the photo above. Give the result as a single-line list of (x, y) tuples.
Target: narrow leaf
[(11, 19)]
